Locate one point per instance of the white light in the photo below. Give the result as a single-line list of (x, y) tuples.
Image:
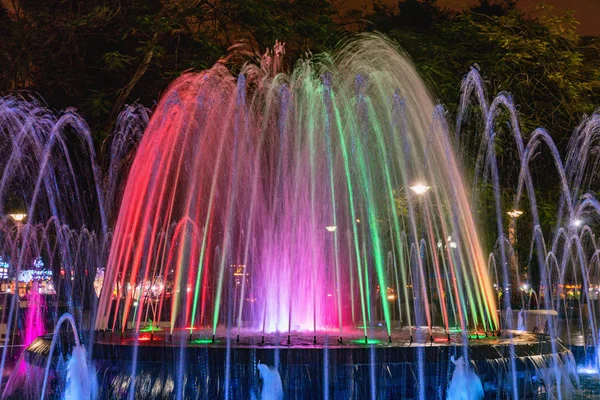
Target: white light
[(439, 243), (515, 213), (331, 228), (585, 370), (453, 245), (135, 303), (19, 217), (420, 188), (577, 223), (357, 221)]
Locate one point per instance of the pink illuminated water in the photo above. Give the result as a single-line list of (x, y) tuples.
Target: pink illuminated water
[(34, 323), (270, 201)]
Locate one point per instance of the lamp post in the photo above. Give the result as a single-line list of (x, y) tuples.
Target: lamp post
[(512, 239), (18, 218)]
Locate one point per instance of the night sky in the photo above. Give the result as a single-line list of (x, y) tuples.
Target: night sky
[(587, 11)]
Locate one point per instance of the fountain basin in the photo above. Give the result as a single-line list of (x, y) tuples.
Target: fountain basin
[(347, 370)]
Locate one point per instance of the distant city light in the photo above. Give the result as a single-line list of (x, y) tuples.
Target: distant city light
[(577, 223), (331, 228)]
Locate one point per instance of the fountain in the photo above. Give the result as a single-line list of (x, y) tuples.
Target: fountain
[(318, 221), (465, 384)]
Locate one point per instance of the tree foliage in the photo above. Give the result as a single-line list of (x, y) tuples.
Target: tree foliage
[(97, 55)]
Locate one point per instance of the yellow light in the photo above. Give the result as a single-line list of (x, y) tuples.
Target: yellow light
[(514, 213), (331, 228), (420, 188), (19, 217), (391, 297)]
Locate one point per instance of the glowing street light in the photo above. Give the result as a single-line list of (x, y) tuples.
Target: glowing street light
[(420, 188), (514, 213), (331, 228), (18, 217)]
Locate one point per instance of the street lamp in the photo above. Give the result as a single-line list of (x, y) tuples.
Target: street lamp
[(331, 228), (577, 223), (420, 188), (18, 217)]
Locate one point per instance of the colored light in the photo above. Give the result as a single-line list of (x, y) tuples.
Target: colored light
[(203, 341), (151, 328), (369, 341)]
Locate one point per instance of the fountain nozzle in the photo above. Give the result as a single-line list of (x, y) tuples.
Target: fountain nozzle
[(315, 339), (411, 340), (366, 340), (237, 339), (289, 341), (341, 340), (170, 337), (262, 340), (213, 338), (390, 339)]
